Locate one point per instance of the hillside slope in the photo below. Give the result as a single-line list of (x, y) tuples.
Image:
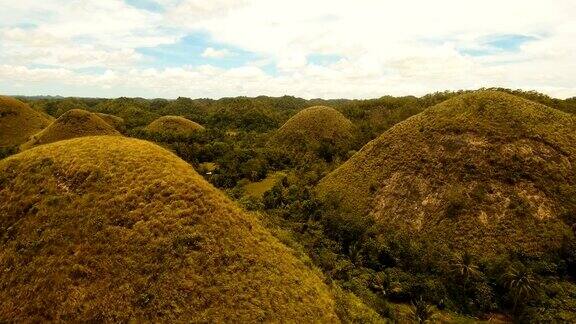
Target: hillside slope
[(114, 121), (174, 125), (73, 123), (486, 171), (18, 121), (313, 127), (115, 229)]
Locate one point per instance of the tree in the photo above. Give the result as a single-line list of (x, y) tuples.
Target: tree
[(465, 268), (421, 312), (521, 284)]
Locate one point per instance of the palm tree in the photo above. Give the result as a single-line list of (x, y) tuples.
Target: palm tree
[(521, 284), (465, 268), (421, 312)]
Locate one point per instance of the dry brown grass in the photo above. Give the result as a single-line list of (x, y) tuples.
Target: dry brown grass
[(18, 121), (109, 228), (174, 125), (485, 171), (73, 123), (306, 130)]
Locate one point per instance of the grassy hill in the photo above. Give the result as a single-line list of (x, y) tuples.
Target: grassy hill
[(18, 122), (73, 123), (317, 130), (486, 172), (114, 121), (174, 125), (115, 229)]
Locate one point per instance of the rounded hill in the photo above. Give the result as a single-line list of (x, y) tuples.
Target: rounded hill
[(18, 121), (313, 127), (73, 123), (114, 121), (486, 172), (114, 229), (174, 125)]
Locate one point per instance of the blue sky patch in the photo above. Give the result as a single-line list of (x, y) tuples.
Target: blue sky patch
[(508, 43), (149, 5), (495, 44), (188, 51), (323, 59)]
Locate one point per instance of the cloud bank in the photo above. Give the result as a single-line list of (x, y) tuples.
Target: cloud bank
[(329, 49)]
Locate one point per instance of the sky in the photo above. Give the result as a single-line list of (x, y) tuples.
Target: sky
[(305, 48)]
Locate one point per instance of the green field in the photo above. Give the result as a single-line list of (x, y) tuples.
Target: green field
[(257, 189)]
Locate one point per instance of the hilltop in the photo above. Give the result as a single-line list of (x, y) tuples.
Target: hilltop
[(174, 125), (486, 172), (18, 121), (314, 129), (72, 123), (115, 229)]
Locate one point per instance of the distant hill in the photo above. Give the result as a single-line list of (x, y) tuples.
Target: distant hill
[(136, 112), (18, 121), (314, 129), (114, 121), (115, 229), (73, 123), (485, 171), (174, 125)]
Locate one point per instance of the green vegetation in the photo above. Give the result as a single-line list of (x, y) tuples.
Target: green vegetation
[(117, 229), (478, 186), (257, 189), (114, 121), (456, 213), (73, 123), (18, 122), (315, 132), (174, 125), (477, 163)]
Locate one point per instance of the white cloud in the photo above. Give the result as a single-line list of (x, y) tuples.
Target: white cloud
[(210, 52), (407, 47), (197, 10)]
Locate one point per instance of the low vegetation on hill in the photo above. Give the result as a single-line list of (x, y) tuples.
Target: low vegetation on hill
[(486, 177), (18, 122), (477, 163), (174, 125), (456, 196), (114, 121), (73, 123), (117, 229), (318, 131)]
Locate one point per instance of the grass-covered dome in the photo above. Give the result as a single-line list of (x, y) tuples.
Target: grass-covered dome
[(312, 127), (486, 172), (174, 125), (18, 121), (73, 123), (114, 229)]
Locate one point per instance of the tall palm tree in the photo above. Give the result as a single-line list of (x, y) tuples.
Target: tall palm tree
[(465, 268), (521, 284)]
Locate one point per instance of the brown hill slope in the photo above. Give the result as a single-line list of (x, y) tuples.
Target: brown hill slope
[(485, 171), (115, 229), (312, 127), (175, 125), (18, 121), (73, 123)]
